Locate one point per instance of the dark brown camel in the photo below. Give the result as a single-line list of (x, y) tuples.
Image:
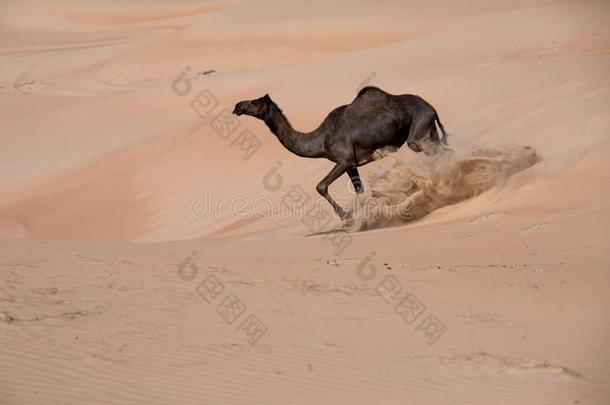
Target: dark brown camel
[(350, 134)]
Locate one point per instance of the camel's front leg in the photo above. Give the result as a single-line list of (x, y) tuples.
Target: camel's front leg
[(353, 174), (322, 187)]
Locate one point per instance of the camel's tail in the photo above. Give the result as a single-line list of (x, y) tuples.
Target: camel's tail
[(440, 125)]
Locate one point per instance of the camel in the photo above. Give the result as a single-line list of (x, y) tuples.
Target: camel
[(351, 133)]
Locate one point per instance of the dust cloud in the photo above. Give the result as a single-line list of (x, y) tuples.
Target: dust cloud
[(399, 193)]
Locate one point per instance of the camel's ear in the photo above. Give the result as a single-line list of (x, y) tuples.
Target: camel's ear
[(267, 97)]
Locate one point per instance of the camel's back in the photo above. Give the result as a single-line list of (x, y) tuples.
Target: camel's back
[(370, 94), (374, 96), (372, 101), (374, 110)]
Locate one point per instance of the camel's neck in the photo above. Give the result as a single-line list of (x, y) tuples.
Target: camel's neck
[(306, 145)]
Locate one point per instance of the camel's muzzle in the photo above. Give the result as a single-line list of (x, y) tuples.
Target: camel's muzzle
[(238, 110)]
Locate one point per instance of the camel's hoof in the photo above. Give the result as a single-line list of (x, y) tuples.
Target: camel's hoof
[(414, 147), (344, 215), (358, 186), (348, 221)]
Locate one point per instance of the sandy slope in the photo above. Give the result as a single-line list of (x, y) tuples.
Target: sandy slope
[(101, 149)]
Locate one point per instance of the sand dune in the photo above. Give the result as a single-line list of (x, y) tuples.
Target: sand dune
[(113, 171)]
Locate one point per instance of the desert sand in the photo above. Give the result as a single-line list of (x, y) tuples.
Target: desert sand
[(145, 257)]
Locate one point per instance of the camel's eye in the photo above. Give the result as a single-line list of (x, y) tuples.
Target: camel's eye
[(260, 104)]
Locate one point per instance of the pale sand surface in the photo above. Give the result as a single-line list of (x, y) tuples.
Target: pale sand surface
[(106, 173)]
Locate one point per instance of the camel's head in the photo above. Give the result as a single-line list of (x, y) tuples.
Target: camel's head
[(258, 108)]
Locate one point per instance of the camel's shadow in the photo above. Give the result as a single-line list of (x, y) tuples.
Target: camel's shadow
[(328, 232)]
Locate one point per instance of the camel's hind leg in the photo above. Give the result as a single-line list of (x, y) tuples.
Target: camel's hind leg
[(434, 134), (322, 187), (420, 128), (354, 176), (437, 143)]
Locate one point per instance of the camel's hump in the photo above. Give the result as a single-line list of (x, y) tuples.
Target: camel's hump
[(367, 89)]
